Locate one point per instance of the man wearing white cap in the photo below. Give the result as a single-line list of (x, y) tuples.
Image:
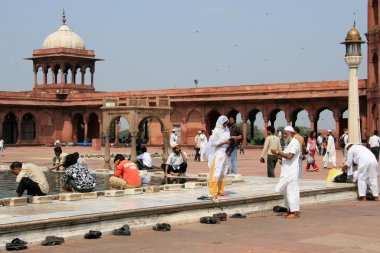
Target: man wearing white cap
[(330, 155), (173, 138), (367, 169), (288, 184)]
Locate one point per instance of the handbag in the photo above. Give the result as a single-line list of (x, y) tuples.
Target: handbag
[(310, 159)]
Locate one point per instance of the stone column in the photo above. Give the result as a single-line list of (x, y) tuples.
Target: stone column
[(244, 131), (100, 130), (82, 76), (73, 74), (184, 131), (85, 131), (92, 79), (117, 128), (133, 146), (165, 135), (107, 156), (44, 78), (337, 131), (149, 121), (19, 122), (35, 79), (312, 125), (63, 74), (353, 100)]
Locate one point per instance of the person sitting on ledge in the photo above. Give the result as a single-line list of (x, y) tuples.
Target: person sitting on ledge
[(77, 177), (176, 163), (30, 178), (144, 160), (58, 159), (126, 174)]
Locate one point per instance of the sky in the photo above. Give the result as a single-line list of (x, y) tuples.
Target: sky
[(151, 44)]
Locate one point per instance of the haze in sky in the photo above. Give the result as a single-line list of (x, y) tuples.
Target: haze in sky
[(150, 44)]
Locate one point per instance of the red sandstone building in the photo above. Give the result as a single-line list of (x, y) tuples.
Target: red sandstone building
[(65, 106)]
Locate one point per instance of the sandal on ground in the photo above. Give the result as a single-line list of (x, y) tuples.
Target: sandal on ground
[(52, 240), (220, 216), (280, 209), (209, 220), (238, 216), (124, 230), (93, 234), (16, 244), (204, 198), (162, 227)]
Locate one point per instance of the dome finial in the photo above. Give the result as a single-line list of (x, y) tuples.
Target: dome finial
[(354, 23), (63, 17)]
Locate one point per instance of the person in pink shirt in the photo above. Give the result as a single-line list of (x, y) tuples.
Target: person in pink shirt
[(311, 148)]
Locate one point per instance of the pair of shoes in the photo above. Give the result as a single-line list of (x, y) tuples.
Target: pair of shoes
[(52, 240), (220, 216), (93, 234), (238, 215), (209, 220), (162, 227), (204, 198), (280, 209), (124, 230), (16, 244)]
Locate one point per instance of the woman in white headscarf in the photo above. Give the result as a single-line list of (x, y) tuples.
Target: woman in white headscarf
[(218, 160)]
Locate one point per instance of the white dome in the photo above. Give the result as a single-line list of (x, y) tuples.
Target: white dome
[(64, 37)]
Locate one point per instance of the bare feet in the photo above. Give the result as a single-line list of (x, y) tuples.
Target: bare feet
[(222, 194), (292, 215), (214, 199), (362, 199), (376, 199)]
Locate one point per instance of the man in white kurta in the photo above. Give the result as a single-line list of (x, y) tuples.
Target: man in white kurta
[(288, 184), (173, 138), (367, 169), (203, 139), (330, 155)]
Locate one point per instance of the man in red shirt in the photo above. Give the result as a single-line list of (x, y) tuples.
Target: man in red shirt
[(126, 174)]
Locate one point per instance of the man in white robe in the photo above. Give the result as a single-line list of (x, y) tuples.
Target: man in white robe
[(203, 139), (288, 184), (330, 155), (367, 170), (173, 138)]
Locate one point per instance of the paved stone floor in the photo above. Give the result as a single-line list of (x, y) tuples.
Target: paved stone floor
[(339, 227)]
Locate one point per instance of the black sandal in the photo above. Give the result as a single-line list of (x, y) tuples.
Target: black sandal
[(204, 198), (209, 220), (124, 230), (52, 240), (162, 227), (220, 216), (93, 234), (16, 244), (280, 209), (238, 215)]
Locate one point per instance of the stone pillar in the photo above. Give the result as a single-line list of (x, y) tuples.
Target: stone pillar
[(364, 127), (35, 79), (82, 76), (85, 131), (353, 100), (244, 131), (44, 78), (133, 146), (337, 130), (117, 128), (165, 135), (312, 123), (53, 77), (149, 131), (107, 155), (265, 123), (73, 73), (63, 81), (100, 130), (184, 131), (19, 122), (92, 79)]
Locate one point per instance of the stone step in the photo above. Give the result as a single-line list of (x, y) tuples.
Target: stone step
[(40, 199), (114, 193), (152, 188), (16, 201), (193, 185), (89, 195), (173, 187), (70, 196), (133, 191)]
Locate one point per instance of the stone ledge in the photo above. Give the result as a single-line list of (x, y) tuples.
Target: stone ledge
[(133, 191), (40, 199), (70, 196), (89, 195), (173, 187), (114, 193), (16, 201), (193, 185), (152, 188)]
